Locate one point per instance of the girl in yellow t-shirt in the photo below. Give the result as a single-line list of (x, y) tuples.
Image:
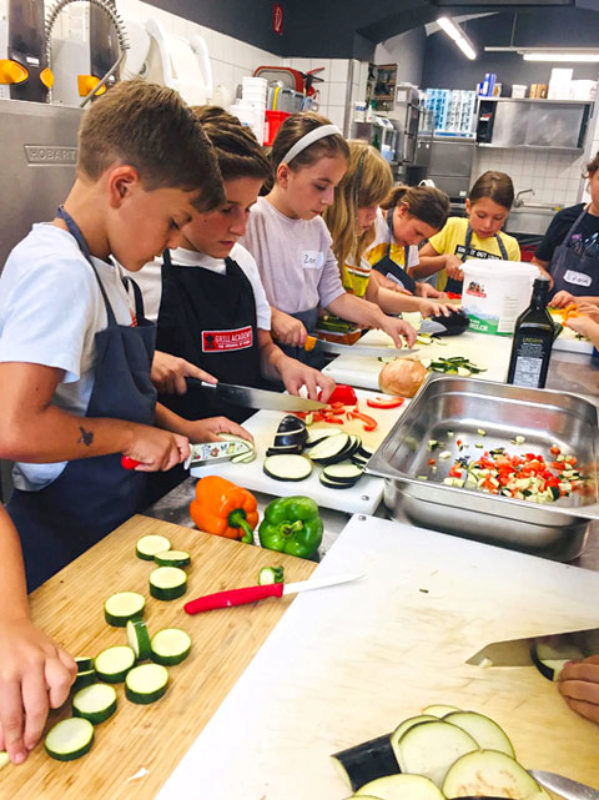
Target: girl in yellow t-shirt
[(478, 235), (352, 219)]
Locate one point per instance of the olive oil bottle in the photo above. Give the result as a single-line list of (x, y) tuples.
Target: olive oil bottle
[(533, 340)]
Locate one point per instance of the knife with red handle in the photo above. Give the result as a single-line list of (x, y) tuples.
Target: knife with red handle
[(249, 594)]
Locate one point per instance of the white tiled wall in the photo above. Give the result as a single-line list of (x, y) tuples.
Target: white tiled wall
[(555, 177)]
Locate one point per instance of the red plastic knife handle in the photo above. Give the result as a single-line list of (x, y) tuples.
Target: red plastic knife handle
[(233, 597), (129, 463)]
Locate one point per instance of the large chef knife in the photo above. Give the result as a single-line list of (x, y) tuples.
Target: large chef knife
[(564, 787), (249, 397), (324, 346), (517, 652)]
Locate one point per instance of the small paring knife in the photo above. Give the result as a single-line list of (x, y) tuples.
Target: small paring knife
[(203, 452), (249, 594), (313, 343), (564, 787)]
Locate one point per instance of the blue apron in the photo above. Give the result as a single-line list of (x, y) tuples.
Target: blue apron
[(457, 287), (389, 268), (92, 496), (577, 273)]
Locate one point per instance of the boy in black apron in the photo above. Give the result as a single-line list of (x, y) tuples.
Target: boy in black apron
[(74, 359)]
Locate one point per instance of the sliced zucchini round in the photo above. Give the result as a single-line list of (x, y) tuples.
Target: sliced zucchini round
[(488, 773), (146, 684), (113, 664), (287, 467), (168, 583), (170, 646), (244, 458), (123, 606), (138, 639), (84, 663), (148, 546), (69, 739), (95, 703), (84, 678), (173, 558), (343, 472)]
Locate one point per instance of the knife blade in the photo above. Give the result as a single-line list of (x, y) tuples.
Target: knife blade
[(249, 594), (566, 787), (255, 398), (517, 652), (313, 343)]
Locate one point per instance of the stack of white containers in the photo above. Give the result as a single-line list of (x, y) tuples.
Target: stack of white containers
[(251, 108)]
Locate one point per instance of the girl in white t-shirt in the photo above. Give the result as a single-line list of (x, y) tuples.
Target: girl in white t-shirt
[(290, 241)]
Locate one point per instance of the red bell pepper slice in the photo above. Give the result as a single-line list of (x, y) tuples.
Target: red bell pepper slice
[(382, 402), (370, 422)]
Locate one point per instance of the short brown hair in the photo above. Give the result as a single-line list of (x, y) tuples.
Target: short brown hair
[(495, 185), (294, 128), (152, 129), (237, 150), (592, 167), (426, 203)]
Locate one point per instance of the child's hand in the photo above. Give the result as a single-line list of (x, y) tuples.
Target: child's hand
[(156, 449), (35, 675), (207, 430), (428, 308), (396, 328), (294, 375), (426, 290), (169, 373), (589, 309), (288, 330), (562, 299), (386, 283), (584, 325), (454, 267), (579, 685)]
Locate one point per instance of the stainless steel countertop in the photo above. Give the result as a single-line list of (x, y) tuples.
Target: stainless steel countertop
[(568, 372)]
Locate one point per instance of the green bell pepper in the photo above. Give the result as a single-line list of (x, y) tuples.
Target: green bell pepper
[(292, 525)]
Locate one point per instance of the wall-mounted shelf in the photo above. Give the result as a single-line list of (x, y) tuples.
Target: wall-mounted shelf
[(547, 101), (543, 147)]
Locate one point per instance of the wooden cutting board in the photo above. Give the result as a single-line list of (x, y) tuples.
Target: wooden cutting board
[(363, 498), (348, 663), (489, 352), (153, 738)]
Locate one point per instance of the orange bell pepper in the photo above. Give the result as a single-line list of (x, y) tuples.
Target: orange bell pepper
[(222, 508)]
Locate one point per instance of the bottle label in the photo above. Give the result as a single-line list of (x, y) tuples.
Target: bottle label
[(529, 363)]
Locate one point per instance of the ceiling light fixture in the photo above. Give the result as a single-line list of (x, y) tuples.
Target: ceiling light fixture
[(457, 35), (552, 54)]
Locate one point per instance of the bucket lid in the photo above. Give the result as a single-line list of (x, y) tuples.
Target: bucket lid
[(491, 267)]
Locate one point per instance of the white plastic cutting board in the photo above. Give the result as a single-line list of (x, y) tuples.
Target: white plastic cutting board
[(490, 352), (348, 663), (363, 498)]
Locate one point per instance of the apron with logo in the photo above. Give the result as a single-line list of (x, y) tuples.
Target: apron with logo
[(92, 496), (577, 273)]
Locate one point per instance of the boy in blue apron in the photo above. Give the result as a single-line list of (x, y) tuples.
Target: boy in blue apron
[(569, 252)]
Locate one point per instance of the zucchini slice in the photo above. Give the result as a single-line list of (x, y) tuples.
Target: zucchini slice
[(138, 639), (287, 467), (4, 758), (485, 732), (113, 664), (488, 773), (69, 739), (148, 546), (172, 558), (367, 761), (168, 583), (170, 646), (84, 678), (95, 703), (331, 448), (84, 663), (402, 787), (146, 684), (123, 606), (431, 748)]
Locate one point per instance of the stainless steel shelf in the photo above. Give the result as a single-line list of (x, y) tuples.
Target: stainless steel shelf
[(545, 100), (531, 147)]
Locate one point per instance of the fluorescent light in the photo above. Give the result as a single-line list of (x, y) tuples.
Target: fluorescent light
[(588, 58), (457, 35)]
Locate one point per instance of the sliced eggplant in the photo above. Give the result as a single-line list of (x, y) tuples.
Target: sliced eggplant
[(405, 726), (550, 659), (282, 450), (364, 452), (333, 484), (401, 787), (439, 710), (292, 432), (343, 472), (485, 732), (488, 773), (431, 748), (367, 761), (287, 467), (316, 435), (331, 449)]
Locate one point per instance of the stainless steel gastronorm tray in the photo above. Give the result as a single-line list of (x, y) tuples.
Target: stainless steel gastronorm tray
[(461, 406)]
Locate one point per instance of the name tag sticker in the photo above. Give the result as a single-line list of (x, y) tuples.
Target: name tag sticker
[(312, 259), (577, 278)]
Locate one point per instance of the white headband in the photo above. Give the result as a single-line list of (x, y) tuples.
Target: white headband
[(308, 139)]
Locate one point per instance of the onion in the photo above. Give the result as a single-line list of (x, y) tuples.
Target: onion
[(403, 377)]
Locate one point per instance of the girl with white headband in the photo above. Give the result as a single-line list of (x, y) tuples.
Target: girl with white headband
[(291, 243)]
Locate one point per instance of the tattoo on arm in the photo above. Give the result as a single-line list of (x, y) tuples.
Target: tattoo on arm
[(86, 438)]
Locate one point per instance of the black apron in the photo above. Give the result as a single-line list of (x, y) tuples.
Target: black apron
[(209, 319), (577, 273), (92, 496), (389, 268), (313, 358), (457, 287)]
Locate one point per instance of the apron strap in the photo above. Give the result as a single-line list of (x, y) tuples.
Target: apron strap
[(575, 224), (390, 226), (139, 302), (468, 243), (75, 232)]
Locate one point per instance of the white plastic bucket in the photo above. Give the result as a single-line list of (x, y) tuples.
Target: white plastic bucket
[(495, 293)]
